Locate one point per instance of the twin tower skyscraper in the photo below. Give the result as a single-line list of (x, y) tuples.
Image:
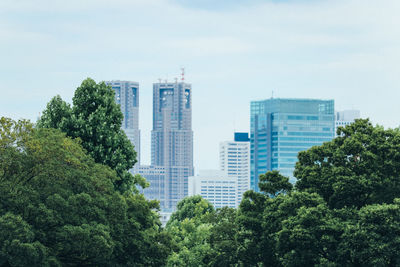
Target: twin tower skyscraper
[(171, 137)]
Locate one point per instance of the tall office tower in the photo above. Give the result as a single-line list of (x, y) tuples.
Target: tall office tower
[(172, 138), (345, 117), (280, 128), (235, 161), (127, 96)]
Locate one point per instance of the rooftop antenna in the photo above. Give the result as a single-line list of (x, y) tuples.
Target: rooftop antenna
[(183, 74), (272, 96), (159, 80), (176, 80)]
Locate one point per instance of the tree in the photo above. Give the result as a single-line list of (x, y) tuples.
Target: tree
[(274, 183), (190, 227), (281, 230), (309, 238), (373, 237), (17, 245), (223, 238), (59, 207), (253, 249), (194, 207), (360, 167), (96, 120)]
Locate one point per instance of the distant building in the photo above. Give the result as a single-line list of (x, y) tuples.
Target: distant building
[(280, 128), (235, 161), (155, 175), (127, 96), (164, 217), (172, 139), (345, 117), (216, 187)]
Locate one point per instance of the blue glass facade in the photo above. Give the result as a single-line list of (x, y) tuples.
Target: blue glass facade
[(280, 128), (241, 137)]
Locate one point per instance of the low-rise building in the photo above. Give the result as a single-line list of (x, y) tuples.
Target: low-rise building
[(215, 186)]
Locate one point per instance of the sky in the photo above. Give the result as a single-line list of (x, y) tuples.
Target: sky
[(233, 52)]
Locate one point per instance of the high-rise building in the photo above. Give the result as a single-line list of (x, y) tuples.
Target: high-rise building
[(280, 128), (172, 138), (345, 117), (235, 161), (215, 186), (127, 96)]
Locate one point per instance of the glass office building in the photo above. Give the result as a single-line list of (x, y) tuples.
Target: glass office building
[(280, 128)]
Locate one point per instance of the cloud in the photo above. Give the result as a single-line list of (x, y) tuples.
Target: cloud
[(234, 52), (210, 46)]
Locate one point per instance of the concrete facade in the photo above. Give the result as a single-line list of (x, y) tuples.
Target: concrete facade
[(235, 161), (172, 139), (216, 187), (127, 96)]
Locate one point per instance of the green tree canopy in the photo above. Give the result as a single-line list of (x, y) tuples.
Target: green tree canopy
[(253, 249), (373, 237), (308, 234), (190, 228), (194, 207), (223, 238), (360, 167), (274, 183), (96, 120), (59, 207)]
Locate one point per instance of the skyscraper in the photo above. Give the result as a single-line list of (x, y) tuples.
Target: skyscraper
[(127, 96), (172, 138), (280, 128), (235, 161)]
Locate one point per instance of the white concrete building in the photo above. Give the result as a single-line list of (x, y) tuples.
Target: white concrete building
[(235, 161), (216, 187), (345, 117)]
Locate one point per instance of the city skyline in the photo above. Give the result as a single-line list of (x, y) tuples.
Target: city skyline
[(342, 50)]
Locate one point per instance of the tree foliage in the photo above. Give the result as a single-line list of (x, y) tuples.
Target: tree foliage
[(342, 212), (223, 238), (360, 167), (274, 183), (190, 228), (373, 238), (59, 207), (96, 120)]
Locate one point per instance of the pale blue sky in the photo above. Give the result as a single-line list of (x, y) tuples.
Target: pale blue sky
[(233, 52)]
